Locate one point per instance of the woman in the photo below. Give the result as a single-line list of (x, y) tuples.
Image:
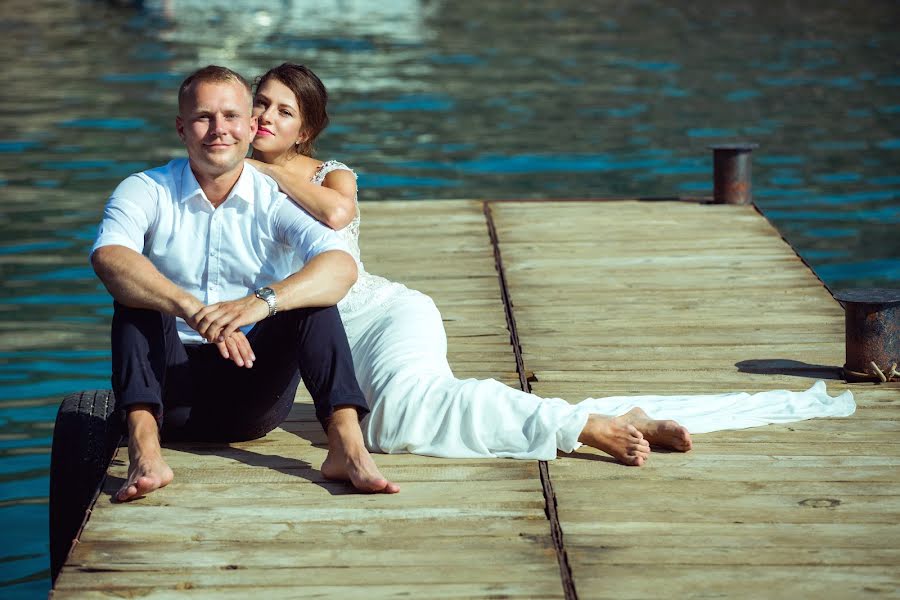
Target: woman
[(399, 345)]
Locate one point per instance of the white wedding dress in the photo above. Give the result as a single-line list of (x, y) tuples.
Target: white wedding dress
[(400, 355)]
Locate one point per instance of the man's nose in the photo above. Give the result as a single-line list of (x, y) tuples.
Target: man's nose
[(218, 125)]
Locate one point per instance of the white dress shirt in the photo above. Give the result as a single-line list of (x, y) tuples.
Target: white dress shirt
[(256, 237)]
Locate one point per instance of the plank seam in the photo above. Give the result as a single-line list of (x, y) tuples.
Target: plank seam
[(550, 503)]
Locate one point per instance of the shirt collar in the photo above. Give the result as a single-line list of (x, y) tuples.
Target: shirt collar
[(243, 189)]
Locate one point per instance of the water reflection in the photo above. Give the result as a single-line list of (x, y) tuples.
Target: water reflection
[(430, 100)]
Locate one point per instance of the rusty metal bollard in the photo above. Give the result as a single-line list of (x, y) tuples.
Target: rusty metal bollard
[(872, 319), (732, 173)]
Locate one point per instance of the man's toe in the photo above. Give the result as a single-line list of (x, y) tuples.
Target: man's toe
[(126, 493)]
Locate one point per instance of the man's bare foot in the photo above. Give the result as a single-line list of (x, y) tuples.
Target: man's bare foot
[(616, 437), (348, 458), (668, 434), (147, 471)]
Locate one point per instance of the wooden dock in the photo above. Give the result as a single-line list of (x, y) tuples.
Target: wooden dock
[(603, 298)]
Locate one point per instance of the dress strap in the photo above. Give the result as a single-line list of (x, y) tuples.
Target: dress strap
[(327, 167)]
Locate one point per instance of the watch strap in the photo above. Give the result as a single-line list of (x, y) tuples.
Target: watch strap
[(267, 295)]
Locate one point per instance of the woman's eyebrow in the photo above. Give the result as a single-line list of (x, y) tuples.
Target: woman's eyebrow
[(265, 98)]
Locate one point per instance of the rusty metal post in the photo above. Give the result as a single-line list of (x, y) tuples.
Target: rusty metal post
[(732, 173), (872, 334)]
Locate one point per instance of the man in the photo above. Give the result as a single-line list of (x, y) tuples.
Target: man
[(212, 327)]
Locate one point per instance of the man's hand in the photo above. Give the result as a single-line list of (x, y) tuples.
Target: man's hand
[(216, 322), (236, 348), (219, 323)]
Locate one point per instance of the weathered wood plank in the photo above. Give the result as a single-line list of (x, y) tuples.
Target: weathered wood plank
[(259, 518), (623, 298), (638, 298), (336, 588), (740, 581), (302, 578)]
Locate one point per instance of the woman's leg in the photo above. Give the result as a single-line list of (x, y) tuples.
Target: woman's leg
[(418, 405)]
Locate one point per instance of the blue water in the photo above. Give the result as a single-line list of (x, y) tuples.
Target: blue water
[(435, 99)]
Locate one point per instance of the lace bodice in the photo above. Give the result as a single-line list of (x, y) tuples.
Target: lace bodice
[(350, 233), (370, 292)]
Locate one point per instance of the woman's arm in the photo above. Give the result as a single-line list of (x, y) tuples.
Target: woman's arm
[(332, 203)]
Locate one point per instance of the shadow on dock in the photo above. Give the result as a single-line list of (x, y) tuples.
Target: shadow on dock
[(783, 366)]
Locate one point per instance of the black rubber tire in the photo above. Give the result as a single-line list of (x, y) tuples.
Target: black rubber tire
[(84, 440)]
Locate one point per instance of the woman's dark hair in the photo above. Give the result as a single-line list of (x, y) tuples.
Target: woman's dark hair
[(312, 98)]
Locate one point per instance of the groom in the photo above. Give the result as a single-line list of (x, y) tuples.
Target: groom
[(213, 323)]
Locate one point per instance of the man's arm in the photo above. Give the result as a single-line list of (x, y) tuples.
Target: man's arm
[(134, 281), (323, 281), (117, 255)]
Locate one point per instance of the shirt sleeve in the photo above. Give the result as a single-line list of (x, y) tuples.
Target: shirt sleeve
[(128, 215), (299, 230)]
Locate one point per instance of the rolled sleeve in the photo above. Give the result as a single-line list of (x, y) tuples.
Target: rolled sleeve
[(307, 236), (128, 215)]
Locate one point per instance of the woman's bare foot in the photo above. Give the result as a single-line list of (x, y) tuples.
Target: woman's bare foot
[(668, 434), (349, 460), (617, 438), (147, 471)]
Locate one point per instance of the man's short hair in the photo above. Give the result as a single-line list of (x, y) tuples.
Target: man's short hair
[(209, 74)]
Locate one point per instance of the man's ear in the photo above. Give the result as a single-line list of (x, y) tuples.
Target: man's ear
[(254, 125), (179, 127)]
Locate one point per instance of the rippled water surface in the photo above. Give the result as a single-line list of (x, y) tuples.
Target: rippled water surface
[(430, 99)]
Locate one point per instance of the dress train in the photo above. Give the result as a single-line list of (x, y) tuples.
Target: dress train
[(418, 406), (400, 357)]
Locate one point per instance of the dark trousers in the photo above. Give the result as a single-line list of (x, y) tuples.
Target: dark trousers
[(199, 395)]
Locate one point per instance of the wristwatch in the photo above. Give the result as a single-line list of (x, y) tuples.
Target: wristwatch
[(267, 295)]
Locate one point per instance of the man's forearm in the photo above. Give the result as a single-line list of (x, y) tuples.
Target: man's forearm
[(323, 281), (134, 281)]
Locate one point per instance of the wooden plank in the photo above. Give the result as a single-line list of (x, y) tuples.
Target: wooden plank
[(632, 299), (843, 535), (415, 551), (739, 581), (725, 552), (301, 578), (259, 518), (335, 588), (716, 301)]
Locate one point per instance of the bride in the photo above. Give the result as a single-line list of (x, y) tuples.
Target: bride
[(399, 345)]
